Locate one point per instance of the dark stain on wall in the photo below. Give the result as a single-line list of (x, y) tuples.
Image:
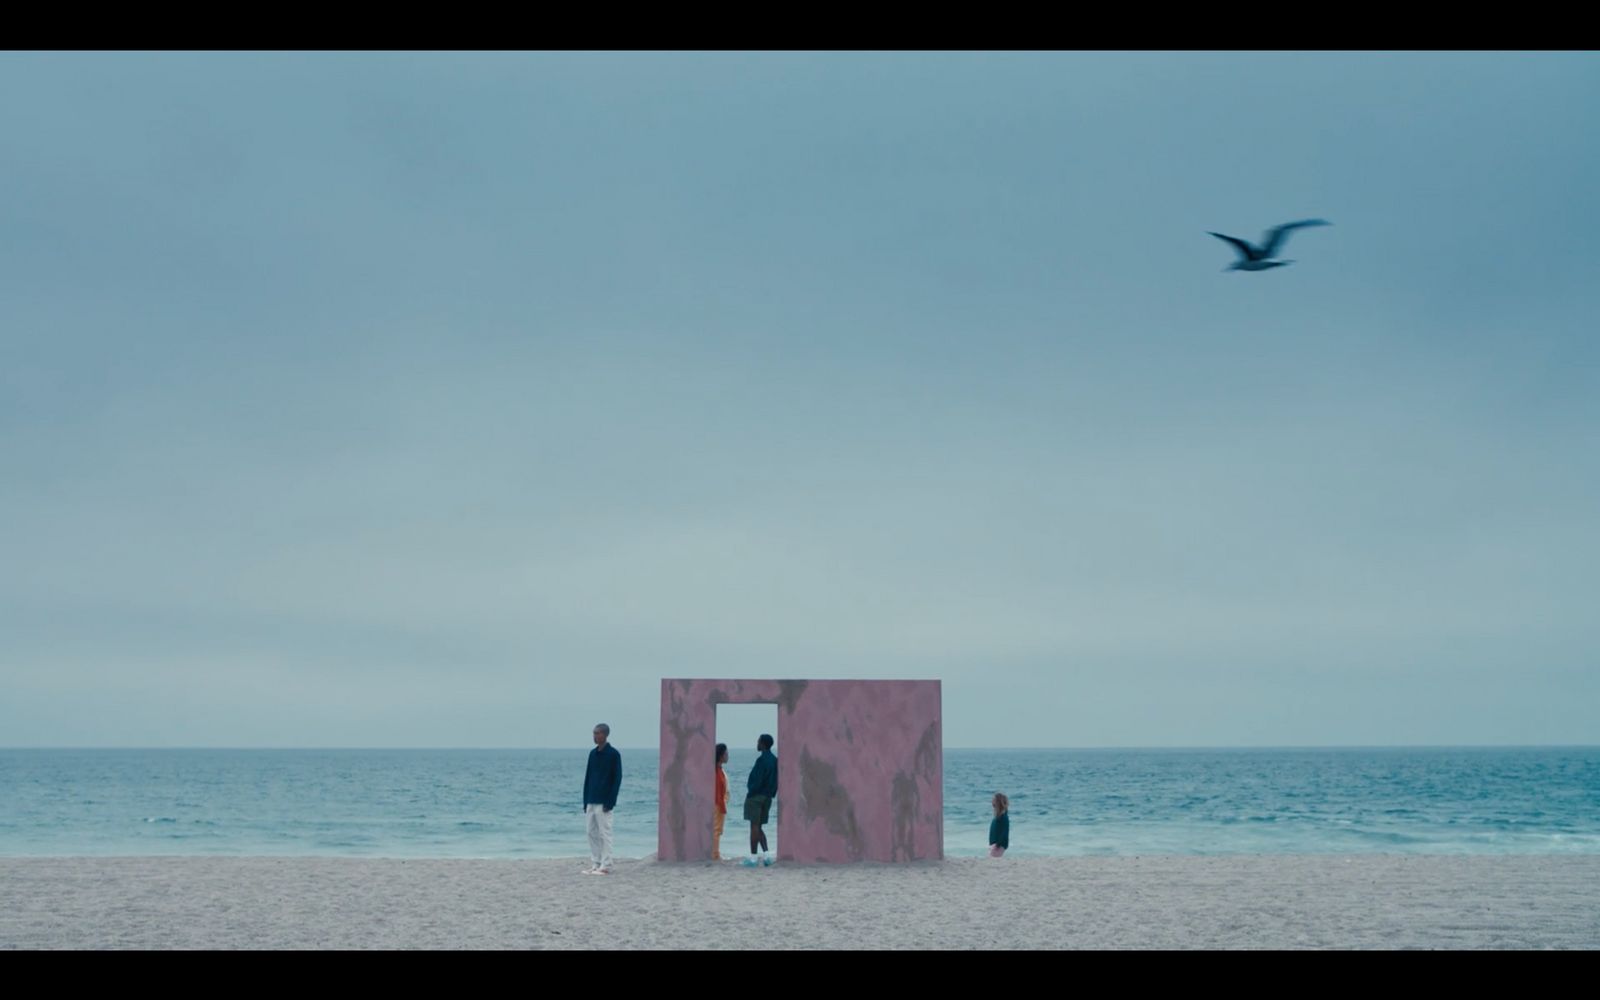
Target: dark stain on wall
[(904, 800), (826, 800), (789, 693), (927, 759)]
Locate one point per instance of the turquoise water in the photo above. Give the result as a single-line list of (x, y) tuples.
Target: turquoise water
[(525, 803)]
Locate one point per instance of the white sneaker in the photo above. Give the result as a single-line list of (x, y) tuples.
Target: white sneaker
[(601, 871)]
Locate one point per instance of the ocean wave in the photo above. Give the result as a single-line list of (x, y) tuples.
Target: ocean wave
[(1103, 802)]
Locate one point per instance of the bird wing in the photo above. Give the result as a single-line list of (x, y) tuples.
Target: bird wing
[(1246, 251), (1278, 234)]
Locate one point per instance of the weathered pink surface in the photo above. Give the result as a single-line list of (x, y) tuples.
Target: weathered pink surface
[(860, 768)]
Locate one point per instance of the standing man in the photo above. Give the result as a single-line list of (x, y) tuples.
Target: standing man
[(762, 788), (601, 783)]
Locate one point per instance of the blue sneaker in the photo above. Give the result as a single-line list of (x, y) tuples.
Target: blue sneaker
[(749, 862), (766, 860)]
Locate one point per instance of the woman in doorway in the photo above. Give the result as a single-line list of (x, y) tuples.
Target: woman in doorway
[(722, 802)]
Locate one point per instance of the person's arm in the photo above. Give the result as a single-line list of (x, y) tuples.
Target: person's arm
[(583, 796), (616, 781)]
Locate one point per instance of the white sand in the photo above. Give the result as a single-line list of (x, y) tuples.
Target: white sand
[(1321, 901)]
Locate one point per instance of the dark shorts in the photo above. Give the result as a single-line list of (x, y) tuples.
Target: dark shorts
[(756, 808)]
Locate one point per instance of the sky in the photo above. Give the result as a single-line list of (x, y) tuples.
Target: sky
[(432, 400)]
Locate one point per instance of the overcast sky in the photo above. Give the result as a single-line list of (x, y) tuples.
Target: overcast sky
[(455, 400)]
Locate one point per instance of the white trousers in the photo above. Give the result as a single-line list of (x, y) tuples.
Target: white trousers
[(599, 835)]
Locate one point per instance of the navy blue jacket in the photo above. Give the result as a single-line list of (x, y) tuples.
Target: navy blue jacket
[(603, 780), (764, 776)]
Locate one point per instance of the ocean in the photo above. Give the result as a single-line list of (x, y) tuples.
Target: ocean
[(526, 803)]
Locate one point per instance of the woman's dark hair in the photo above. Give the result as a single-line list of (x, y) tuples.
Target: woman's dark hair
[(764, 743), (722, 748)]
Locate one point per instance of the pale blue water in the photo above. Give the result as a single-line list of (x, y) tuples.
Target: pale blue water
[(525, 803)]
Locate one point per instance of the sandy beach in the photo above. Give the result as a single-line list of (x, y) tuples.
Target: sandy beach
[(1261, 901)]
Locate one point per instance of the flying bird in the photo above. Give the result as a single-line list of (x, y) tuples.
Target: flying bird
[(1259, 258)]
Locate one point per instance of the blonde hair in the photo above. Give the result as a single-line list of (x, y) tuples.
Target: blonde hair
[(1001, 803)]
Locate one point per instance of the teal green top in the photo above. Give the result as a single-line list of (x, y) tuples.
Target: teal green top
[(1000, 831)]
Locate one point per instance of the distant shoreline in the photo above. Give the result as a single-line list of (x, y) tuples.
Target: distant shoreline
[(947, 749)]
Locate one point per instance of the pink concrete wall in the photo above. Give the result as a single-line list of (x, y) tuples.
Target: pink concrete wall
[(860, 769)]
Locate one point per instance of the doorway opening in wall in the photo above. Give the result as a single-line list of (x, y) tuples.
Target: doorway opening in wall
[(740, 727)]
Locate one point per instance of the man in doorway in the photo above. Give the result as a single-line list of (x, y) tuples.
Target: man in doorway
[(601, 783), (761, 791)]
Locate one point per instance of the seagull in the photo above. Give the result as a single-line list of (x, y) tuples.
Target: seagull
[(1259, 258)]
